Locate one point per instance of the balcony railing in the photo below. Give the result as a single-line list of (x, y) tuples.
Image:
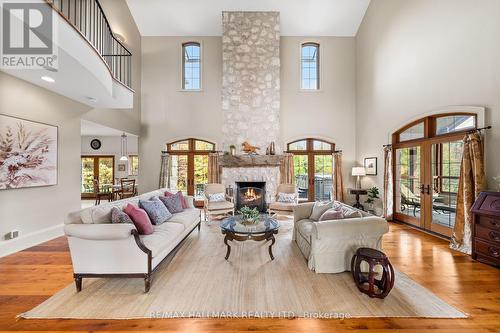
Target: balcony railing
[(88, 18)]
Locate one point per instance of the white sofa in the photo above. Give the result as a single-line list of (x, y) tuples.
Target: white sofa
[(329, 246), (100, 248)]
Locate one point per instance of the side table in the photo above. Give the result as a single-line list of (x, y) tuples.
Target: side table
[(358, 192)]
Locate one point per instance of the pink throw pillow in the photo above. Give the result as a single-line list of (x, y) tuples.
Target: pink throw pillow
[(332, 214), (140, 218), (183, 198)]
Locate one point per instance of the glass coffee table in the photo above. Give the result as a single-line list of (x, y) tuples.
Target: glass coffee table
[(234, 228)]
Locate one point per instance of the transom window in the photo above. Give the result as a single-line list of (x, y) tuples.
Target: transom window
[(191, 66), (436, 126), (309, 66)]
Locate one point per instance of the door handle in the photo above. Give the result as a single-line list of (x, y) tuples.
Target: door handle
[(428, 189), (422, 189)]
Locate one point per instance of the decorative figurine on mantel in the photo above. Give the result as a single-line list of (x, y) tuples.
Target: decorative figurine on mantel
[(248, 148)]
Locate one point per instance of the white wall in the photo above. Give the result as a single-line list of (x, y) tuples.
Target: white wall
[(38, 212), (111, 145), (168, 113), (415, 56), (330, 112)]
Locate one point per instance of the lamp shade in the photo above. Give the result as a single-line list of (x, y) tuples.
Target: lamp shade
[(358, 171)]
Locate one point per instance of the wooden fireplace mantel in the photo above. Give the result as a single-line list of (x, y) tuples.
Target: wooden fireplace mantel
[(243, 161)]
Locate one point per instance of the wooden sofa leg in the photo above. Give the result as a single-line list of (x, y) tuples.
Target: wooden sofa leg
[(78, 283), (147, 283)]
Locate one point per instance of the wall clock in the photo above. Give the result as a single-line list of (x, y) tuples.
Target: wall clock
[(95, 144)]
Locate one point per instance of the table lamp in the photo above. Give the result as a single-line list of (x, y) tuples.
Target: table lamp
[(358, 171)]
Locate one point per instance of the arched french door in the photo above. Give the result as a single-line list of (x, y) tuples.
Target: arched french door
[(426, 167), (312, 159), (189, 167)]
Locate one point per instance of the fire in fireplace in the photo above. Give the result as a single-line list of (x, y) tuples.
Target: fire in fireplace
[(251, 194)]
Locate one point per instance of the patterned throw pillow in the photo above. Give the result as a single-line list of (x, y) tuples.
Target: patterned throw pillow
[(332, 214), (119, 216), (179, 193), (140, 218), (216, 197), (173, 203), (319, 208), (156, 210), (286, 197), (348, 212)]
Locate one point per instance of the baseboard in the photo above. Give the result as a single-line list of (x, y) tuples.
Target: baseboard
[(18, 244)]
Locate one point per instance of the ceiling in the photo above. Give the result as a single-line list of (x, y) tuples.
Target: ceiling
[(89, 128), (203, 17)]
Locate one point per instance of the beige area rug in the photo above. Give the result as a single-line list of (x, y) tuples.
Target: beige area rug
[(198, 282)]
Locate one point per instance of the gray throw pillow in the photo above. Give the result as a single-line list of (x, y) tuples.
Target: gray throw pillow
[(319, 208), (156, 210), (119, 216), (173, 203)]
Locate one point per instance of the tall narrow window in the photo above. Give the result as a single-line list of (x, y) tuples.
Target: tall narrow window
[(309, 66), (191, 66)]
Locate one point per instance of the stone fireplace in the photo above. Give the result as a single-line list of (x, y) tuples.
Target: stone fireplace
[(251, 194)]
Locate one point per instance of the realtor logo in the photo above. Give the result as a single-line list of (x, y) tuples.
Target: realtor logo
[(27, 35)]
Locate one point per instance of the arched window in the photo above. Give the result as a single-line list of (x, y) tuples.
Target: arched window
[(309, 66), (427, 157), (312, 159), (191, 66), (189, 167)]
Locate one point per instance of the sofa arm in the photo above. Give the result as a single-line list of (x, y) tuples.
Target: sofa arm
[(302, 211), (354, 228), (107, 231), (190, 201)]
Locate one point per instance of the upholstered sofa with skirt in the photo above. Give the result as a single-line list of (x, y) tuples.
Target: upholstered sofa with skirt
[(329, 245), (100, 248)]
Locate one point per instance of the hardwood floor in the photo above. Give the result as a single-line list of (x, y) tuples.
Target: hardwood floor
[(29, 277)]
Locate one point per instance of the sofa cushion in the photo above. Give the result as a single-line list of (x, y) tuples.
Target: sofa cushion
[(119, 216), (220, 205), (140, 218), (179, 194), (286, 197), (319, 208), (173, 203), (283, 206), (163, 236), (187, 218), (216, 197), (156, 210), (332, 214), (347, 211)]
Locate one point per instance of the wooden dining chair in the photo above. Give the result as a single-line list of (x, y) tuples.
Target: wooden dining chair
[(127, 188), (101, 194)]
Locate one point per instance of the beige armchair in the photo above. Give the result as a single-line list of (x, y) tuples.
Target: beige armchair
[(219, 207), (284, 207)]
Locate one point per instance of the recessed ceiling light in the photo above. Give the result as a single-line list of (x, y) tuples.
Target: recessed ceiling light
[(48, 79), (91, 99)]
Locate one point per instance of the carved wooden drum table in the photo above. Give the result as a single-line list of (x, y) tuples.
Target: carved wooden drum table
[(235, 228)]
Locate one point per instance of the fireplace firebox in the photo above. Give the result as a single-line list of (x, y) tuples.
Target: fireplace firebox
[(251, 194)]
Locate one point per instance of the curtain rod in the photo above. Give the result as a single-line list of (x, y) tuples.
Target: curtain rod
[(479, 129)]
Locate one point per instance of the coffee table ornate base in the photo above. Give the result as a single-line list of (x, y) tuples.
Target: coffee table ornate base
[(267, 236)]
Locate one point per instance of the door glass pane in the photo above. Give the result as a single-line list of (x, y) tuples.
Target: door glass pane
[(414, 132), (322, 177), (446, 159), (105, 173), (407, 181), (87, 174), (450, 124), (300, 164), (200, 175), (179, 173)]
